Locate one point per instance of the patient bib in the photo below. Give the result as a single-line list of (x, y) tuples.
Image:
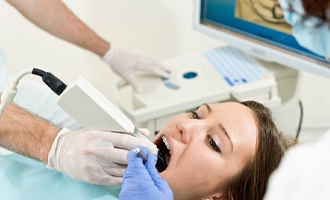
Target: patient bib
[(25, 178)]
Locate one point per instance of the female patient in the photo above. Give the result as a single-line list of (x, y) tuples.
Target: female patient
[(223, 150)]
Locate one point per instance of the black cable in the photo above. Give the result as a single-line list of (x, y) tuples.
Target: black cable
[(54, 83), (300, 120), (38, 72)]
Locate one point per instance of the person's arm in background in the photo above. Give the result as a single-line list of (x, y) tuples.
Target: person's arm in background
[(57, 19), (26, 134)]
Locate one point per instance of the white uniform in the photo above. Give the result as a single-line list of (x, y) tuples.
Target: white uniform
[(37, 98), (303, 174)]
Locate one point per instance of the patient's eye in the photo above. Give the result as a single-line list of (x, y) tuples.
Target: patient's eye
[(194, 115), (213, 144)]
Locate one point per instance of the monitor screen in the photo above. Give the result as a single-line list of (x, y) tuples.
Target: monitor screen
[(258, 28)]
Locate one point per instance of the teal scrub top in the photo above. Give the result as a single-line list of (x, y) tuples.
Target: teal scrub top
[(25, 178)]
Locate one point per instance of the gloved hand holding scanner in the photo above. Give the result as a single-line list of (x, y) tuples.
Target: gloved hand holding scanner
[(93, 156), (141, 179), (97, 157)]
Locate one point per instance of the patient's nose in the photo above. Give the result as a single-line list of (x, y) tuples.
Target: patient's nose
[(190, 129)]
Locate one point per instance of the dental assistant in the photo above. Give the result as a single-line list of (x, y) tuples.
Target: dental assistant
[(87, 155), (304, 172)]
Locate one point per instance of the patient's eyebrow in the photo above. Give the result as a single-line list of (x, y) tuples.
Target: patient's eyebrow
[(226, 133), (222, 128), (208, 107)]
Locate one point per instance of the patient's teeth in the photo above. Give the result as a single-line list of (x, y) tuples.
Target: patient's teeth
[(166, 142)]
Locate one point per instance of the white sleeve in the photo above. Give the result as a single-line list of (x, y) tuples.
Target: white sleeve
[(303, 174), (40, 100)]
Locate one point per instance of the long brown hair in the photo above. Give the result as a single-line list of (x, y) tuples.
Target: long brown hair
[(314, 8), (251, 182)]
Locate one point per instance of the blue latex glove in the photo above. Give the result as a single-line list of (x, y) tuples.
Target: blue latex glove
[(142, 181)]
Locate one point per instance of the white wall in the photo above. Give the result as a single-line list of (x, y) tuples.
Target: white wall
[(158, 29)]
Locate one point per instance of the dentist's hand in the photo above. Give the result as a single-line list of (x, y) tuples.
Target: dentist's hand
[(124, 64), (97, 157), (142, 181)]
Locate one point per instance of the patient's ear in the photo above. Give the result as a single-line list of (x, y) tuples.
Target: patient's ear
[(216, 196)]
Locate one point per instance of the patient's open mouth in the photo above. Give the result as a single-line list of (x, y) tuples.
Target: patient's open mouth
[(163, 154)]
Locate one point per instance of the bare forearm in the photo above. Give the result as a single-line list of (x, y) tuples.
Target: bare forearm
[(55, 17), (26, 134)]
